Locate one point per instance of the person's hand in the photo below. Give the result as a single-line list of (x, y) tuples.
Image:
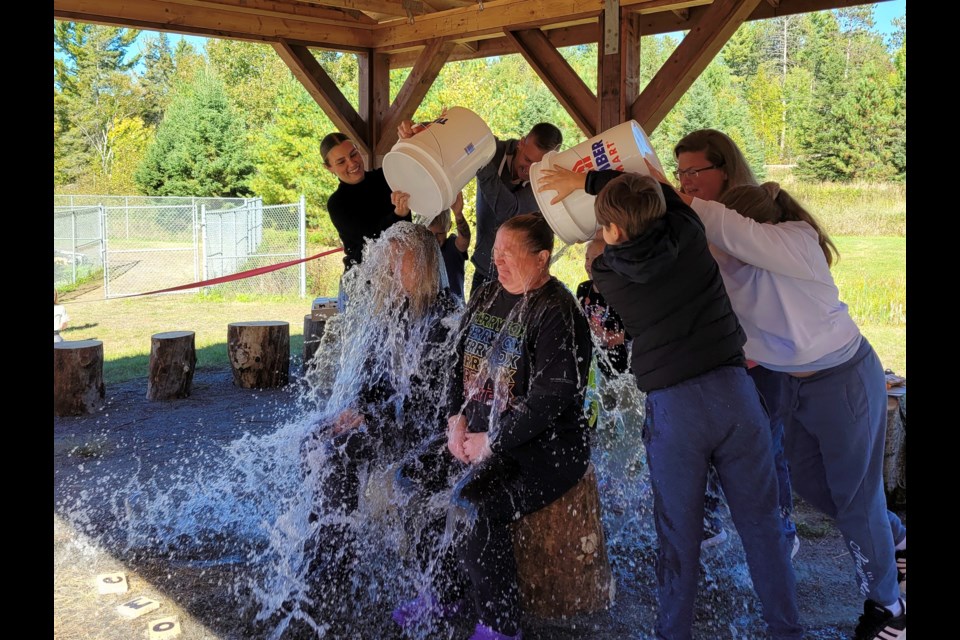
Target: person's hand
[(407, 129), (457, 206), (476, 447), (654, 172), (456, 435), (347, 420), (561, 180), (401, 203)]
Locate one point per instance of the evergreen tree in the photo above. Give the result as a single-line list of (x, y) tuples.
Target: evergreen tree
[(93, 92), (157, 78), (200, 147)]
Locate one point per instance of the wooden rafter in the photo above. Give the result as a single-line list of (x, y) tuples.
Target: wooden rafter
[(387, 7), (217, 20), (411, 94), (374, 96), (496, 16), (564, 83), (325, 91), (701, 44)]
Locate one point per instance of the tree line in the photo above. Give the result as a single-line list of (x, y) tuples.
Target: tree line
[(825, 91)]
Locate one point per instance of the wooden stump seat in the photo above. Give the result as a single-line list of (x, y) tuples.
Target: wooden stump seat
[(259, 353), (173, 358), (561, 552), (77, 377), (312, 333)]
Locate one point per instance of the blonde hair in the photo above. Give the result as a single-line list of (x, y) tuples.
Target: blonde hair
[(632, 202), (409, 261), (769, 204)]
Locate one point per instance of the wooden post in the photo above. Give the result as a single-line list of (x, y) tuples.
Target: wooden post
[(312, 333), (173, 357), (77, 377), (259, 353), (561, 551)]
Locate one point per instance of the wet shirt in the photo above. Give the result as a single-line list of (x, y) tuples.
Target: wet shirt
[(521, 372), (596, 309), (361, 212)]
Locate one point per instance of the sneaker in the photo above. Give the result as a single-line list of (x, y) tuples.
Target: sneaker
[(713, 538), (877, 623), (902, 569), (483, 632), (795, 546), (423, 608)]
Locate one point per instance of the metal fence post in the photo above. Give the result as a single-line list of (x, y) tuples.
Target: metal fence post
[(303, 246), (196, 243), (104, 251), (73, 246), (203, 239)]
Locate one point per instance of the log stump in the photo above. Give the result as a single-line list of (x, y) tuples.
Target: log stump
[(259, 353), (312, 333), (173, 358), (77, 377), (561, 552)]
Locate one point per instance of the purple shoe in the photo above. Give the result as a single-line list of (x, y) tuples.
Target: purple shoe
[(483, 632), (425, 607)]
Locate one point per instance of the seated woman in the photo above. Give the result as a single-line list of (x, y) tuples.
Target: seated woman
[(516, 424), (389, 352)]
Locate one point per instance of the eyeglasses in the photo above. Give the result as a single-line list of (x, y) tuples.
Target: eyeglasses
[(693, 173)]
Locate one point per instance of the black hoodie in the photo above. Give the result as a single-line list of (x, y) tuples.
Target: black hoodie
[(667, 289)]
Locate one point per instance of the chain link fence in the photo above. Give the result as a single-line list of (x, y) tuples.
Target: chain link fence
[(139, 243)]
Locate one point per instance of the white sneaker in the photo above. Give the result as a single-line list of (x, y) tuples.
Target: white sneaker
[(796, 546)]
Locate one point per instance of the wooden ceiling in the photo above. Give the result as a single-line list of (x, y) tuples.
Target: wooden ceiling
[(400, 28), (426, 34)]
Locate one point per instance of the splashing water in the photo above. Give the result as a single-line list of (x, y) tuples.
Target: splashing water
[(328, 542)]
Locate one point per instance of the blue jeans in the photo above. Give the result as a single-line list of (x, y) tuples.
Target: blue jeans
[(716, 418), (835, 425)]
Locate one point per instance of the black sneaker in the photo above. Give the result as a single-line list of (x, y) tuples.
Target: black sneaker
[(877, 623), (902, 569)]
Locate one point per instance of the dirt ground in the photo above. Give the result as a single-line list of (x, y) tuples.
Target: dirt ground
[(133, 436)]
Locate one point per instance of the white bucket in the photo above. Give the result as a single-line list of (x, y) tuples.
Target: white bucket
[(623, 148), (436, 163)]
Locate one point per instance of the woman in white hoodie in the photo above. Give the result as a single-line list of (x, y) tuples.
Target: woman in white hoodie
[(775, 260)]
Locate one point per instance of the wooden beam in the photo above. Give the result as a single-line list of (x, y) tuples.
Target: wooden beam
[(629, 62), (609, 70), (325, 91), (374, 97), (424, 72), (497, 15), (387, 7), (774, 3), (501, 45), (698, 48), (564, 83), (683, 14), (301, 10), (212, 21)]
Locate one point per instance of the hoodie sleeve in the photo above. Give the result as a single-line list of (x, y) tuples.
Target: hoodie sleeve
[(788, 248)]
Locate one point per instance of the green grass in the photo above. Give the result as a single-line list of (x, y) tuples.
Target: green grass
[(125, 326)]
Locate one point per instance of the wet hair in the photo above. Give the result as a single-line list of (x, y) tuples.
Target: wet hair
[(721, 151), (632, 202), (537, 234), (330, 141), (545, 136), (409, 246), (768, 203)]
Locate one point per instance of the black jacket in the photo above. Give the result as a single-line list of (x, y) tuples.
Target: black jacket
[(667, 289)]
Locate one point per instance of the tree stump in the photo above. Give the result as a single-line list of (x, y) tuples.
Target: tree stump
[(259, 353), (77, 377), (312, 333), (173, 358), (561, 552)]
